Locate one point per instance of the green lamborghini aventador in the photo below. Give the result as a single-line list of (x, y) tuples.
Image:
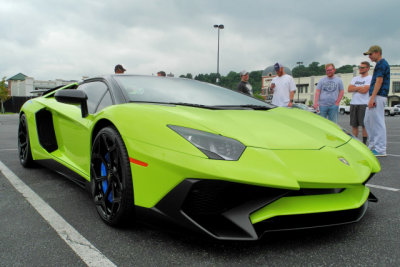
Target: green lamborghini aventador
[(200, 156)]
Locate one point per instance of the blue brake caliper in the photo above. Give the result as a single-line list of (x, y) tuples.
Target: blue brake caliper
[(104, 173)]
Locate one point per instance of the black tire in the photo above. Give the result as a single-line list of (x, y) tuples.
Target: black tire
[(342, 111), (24, 145), (386, 113), (110, 166)]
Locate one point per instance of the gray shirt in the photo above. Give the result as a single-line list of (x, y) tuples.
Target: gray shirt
[(330, 88)]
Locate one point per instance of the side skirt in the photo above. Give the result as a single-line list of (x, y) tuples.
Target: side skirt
[(64, 171)]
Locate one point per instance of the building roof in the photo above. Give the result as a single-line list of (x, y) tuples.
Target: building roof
[(18, 77)]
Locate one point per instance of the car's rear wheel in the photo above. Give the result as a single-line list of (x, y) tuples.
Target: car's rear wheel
[(24, 146), (110, 178)]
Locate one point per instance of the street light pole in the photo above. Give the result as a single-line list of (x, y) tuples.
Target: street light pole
[(219, 27), (298, 88)]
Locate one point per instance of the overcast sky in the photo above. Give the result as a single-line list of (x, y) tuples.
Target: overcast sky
[(69, 39)]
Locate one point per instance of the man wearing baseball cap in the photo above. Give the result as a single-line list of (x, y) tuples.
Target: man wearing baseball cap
[(283, 87), (119, 69), (378, 91), (244, 86)]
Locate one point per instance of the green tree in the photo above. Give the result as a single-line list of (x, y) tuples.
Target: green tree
[(345, 69), (314, 69), (188, 76), (3, 93)]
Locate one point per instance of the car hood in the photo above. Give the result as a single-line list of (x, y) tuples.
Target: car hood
[(277, 128)]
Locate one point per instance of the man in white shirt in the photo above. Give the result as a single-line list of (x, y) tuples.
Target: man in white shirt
[(359, 86), (283, 87)]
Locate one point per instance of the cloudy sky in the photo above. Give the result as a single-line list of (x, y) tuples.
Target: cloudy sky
[(69, 39)]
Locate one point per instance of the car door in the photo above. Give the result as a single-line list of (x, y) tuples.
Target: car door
[(74, 132)]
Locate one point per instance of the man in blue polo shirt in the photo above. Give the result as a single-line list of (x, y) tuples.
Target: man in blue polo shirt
[(374, 120)]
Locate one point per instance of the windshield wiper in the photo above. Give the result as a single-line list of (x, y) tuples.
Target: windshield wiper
[(193, 105), (249, 106), (179, 104)]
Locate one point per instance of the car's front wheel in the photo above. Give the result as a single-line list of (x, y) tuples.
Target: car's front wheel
[(24, 146), (111, 178)]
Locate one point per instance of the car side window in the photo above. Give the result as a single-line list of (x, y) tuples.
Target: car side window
[(94, 91), (105, 102)]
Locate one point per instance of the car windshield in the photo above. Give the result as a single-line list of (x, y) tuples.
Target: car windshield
[(301, 105), (184, 92)]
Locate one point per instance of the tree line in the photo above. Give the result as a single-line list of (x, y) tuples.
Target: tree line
[(232, 79)]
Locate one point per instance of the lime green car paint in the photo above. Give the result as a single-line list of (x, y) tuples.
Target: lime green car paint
[(351, 198)]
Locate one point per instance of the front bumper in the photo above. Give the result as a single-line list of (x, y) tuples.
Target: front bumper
[(233, 211)]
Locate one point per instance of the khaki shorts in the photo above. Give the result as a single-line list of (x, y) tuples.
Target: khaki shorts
[(357, 114)]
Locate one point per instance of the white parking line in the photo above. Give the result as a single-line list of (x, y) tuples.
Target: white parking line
[(80, 245), (383, 187), (8, 149), (393, 155)]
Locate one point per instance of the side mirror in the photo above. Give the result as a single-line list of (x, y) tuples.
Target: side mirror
[(73, 96)]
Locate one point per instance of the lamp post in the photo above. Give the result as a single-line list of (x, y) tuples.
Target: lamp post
[(298, 88), (219, 27)]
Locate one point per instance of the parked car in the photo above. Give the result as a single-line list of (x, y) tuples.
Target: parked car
[(304, 107), (391, 111), (198, 155), (344, 110), (398, 109)]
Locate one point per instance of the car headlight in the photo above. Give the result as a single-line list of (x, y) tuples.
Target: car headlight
[(212, 145)]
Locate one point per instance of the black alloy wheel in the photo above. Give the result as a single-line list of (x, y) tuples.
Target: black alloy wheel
[(111, 178), (24, 146)]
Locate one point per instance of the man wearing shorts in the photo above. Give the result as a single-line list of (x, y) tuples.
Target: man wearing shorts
[(359, 86)]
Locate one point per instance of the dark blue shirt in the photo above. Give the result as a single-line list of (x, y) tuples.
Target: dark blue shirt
[(382, 69)]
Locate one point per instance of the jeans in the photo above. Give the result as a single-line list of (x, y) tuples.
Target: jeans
[(330, 112)]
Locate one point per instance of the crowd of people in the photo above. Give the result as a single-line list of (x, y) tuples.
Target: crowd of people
[(366, 106)]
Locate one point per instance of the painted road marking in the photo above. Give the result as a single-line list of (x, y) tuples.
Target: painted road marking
[(383, 187), (80, 245), (393, 155), (8, 149)]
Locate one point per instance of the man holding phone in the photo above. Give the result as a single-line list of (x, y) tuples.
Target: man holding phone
[(378, 91)]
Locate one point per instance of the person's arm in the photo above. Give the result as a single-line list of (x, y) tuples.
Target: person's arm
[(378, 84), (341, 93), (317, 93), (352, 88), (360, 89), (292, 88), (291, 98), (363, 89)]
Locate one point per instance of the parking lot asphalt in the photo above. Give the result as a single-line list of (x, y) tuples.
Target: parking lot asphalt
[(27, 238)]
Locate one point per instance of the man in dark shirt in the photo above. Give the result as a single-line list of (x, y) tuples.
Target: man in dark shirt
[(244, 86), (378, 91)]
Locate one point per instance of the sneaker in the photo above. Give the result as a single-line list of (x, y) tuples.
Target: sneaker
[(377, 154)]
